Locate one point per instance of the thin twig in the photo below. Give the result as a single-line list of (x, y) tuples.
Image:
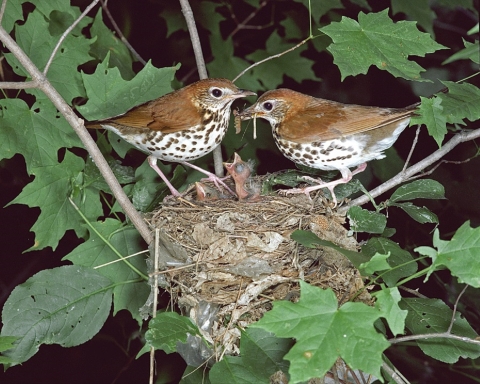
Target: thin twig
[(119, 260), (440, 335), (120, 34), (455, 309), (413, 292), (242, 25), (66, 33), (155, 299), (414, 169), (270, 58), (394, 374), (414, 144)]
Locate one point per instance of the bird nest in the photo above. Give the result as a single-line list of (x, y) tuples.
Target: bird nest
[(225, 262)]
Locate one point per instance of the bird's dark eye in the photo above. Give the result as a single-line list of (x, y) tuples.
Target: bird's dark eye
[(217, 92), (268, 106)]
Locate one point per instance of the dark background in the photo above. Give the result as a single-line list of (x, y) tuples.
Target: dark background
[(110, 356)]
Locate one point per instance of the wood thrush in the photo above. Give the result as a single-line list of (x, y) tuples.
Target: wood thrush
[(181, 126), (328, 135)]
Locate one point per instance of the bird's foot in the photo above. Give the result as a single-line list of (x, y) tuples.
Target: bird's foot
[(218, 181)]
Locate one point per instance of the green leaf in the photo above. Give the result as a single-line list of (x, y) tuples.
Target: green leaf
[(37, 133), (324, 332), (109, 95), (38, 44), (174, 19), (263, 352), (106, 42), (427, 316), (461, 254), (6, 342), (419, 189), (362, 220), (387, 303), (376, 40), (13, 13), (193, 375), (232, 370), (310, 240), (420, 214), (378, 262), (66, 305), (470, 52), (50, 190), (291, 64), (107, 242), (401, 262), (227, 65), (460, 102), (169, 328), (261, 356), (431, 114), (420, 11)]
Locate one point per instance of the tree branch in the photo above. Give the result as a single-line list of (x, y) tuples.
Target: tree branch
[(202, 71), (414, 169), (440, 335), (17, 85), (77, 124)]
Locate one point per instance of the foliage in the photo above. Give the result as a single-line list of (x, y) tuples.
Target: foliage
[(98, 76)]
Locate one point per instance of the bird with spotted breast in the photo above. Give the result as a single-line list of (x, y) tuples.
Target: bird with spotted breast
[(328, 135), (180, 126)]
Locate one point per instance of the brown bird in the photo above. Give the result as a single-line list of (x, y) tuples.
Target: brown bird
[(328, 135), (181, 126), (247, 189)]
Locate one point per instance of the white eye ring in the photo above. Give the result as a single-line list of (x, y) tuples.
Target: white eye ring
[(216, 92), (267, 106)]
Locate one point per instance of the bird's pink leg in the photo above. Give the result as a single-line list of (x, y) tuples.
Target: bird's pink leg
[(346, 177), (152, 161), (211, 177)]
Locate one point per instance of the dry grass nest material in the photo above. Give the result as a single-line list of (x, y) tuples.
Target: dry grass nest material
[(236, 258)]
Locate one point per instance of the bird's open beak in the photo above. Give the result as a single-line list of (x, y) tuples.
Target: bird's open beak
[(249, 113)]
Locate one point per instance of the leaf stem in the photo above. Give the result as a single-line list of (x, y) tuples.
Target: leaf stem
[(140, 273)]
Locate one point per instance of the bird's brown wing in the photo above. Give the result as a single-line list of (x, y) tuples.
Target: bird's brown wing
[(322, 120), (170, 113)]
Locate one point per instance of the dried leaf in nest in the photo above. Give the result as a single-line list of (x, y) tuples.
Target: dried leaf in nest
[(241, 258)]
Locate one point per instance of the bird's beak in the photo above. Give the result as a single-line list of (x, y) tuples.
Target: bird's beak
[(243, 93), (229, 166), (249, 113)]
